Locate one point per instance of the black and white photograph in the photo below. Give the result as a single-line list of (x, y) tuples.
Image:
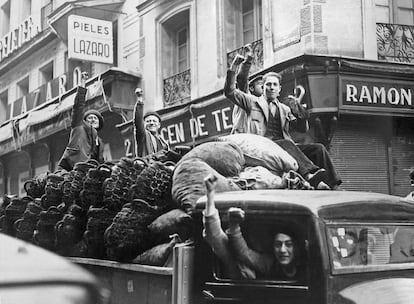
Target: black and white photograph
[(206, 151)]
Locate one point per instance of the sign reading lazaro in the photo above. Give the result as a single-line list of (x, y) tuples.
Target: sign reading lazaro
[(90, 39), (378, 95)]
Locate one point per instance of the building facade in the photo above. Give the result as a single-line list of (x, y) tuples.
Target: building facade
[(352, 58)]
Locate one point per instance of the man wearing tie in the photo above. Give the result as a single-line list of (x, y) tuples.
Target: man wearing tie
[(270, 118)]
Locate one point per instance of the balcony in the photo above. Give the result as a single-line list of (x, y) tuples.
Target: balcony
[(257, 63), (177, 88), (395, 42)]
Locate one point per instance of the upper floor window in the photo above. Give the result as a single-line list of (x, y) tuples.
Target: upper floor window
[(4, 100), (395, 11), (243, 25), (45, 12), (395, 30), (23, 87), (26, 9), (175, 58), (5, 19), (46, 73)]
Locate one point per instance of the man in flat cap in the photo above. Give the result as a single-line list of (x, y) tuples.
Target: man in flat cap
[(146, 129), (84, 142)]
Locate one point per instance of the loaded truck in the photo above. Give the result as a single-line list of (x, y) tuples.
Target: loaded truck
[(356, 247)]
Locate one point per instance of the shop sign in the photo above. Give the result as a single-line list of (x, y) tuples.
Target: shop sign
[(376, 95), (90, 39), (191, 125), (16, 38)]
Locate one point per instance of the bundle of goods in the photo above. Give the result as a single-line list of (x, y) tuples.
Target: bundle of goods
[(36, 187), (188, 182), (92, 194), (5, 225), (13, 211), (70, 229), (116, 187), (128, 235), (99, 219), (53, 191), (224, 157), (261, 151), (26, 225), (44, 235), (154, 186)]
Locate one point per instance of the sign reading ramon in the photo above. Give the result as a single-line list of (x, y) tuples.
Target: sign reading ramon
[(377, 95), (90, 39)]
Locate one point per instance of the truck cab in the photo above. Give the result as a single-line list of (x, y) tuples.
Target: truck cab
[(354, 247)]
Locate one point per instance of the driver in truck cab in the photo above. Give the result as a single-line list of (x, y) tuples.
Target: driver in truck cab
[(240, 261)]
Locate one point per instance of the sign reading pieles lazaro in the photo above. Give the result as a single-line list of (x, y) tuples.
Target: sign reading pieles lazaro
[(90, 39), (377, 95)]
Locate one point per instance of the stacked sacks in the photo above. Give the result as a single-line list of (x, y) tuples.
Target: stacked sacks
[(5, 226), (128, 235), (188, 182), (173, 222), (224, 157), (116, 187), (92, 195), (99, 220), (154, 186), (26, 225), (53, 191), (261, 151), (70, 229), (158, 255), (13, 211), (36, 187), (44, 234)]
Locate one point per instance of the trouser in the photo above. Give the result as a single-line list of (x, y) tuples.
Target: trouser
[(305, 165), (318, 154)]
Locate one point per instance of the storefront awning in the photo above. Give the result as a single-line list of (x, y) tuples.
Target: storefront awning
[(98, 9)]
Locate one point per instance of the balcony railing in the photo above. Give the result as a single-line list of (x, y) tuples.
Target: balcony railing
[(395, 42), (257, 63), (177, 88)]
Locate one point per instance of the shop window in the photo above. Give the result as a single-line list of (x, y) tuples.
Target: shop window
[(46, 73), (243, 25), (4, 100), (175, 59), (5, 19), (23, 87), (395, 30)]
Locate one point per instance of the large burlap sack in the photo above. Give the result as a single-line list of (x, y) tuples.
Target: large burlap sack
[(261, 151), (175, 221), (224, 157), (261, 178), (188, 182), (157, 255)]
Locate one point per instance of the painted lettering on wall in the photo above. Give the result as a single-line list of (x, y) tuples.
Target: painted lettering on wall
[(16, 38)]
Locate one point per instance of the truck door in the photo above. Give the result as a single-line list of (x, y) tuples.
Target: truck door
[(285, 276)]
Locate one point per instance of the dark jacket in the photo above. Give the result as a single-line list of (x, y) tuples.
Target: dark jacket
[(84, 142), (144, 140)]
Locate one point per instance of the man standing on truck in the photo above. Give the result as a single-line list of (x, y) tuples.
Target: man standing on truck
[(266, 116), (238, 260), (146, 129), (84, 142)]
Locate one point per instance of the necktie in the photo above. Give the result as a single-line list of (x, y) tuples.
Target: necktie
[(274, 109)]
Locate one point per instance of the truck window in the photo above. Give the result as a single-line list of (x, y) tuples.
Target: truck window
[(363, 248), (275, 251)]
